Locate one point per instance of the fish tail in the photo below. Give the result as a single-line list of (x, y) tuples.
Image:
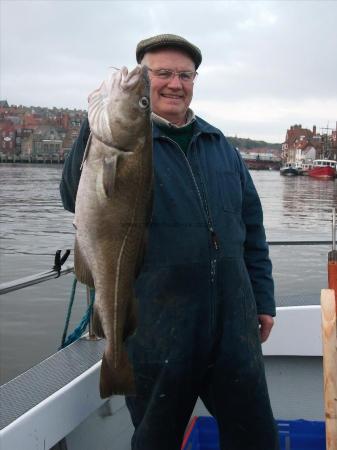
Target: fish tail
[(117, 380)]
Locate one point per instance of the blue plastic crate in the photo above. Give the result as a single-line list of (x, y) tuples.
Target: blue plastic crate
[(294, 435)]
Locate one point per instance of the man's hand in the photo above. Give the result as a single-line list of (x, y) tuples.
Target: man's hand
[(266, 324)]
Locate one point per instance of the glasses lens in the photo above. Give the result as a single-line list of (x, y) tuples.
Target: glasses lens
[(163, 74), (186, 76)]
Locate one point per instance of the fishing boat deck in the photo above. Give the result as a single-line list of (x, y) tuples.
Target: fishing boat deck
[(41, 381), (58, 397)]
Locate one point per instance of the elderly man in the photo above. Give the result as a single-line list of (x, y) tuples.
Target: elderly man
[(205, 289)]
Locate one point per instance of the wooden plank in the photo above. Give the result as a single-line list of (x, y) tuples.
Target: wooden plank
[(329, 337)]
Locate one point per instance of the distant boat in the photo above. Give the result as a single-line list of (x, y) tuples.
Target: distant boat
[(288, 170), (324, 169), (303, 168)]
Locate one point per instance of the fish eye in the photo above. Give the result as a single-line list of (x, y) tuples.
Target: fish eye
[(144, 102)]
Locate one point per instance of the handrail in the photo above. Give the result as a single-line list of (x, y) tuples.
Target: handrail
[(21, 283), (300, 242)]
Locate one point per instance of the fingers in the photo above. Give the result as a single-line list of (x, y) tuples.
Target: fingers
[(266, 324)]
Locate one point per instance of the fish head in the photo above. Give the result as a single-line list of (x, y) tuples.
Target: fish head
[(119, 110)]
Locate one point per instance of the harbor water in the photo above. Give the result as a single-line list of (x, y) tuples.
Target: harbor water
[(34, 225)]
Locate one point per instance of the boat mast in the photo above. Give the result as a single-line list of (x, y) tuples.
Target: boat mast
[(327, 151)]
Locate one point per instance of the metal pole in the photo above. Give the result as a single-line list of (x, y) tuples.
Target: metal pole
[(21, 283), (299, 242), (332, 258), (333, 228), (91, 335)]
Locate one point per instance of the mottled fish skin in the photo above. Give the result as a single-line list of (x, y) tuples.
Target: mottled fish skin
[(113, 208)]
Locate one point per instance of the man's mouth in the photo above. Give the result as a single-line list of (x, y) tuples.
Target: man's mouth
[(175, 97)]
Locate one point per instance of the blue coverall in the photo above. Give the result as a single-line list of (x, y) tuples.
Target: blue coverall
[(205, 278)]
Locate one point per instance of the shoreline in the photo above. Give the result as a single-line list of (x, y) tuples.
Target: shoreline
[(33, 161)]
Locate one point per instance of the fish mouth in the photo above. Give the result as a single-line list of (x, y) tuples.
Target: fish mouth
[(130, 80)]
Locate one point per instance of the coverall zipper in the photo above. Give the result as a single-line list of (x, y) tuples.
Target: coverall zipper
[(213, 235), (204, 205)]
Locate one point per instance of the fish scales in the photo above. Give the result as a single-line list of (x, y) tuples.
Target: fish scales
[(112, 210)]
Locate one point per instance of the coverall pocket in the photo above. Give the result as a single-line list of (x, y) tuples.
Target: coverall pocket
[(230, 190)]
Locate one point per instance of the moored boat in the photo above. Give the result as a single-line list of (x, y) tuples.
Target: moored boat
[(323, 169), (303, 168), (288, 170)]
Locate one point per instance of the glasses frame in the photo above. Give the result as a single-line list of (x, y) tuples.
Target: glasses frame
[(173, 74)]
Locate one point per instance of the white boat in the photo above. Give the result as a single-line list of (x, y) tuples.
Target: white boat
[(303, 168), (56, 404), (59, 397), (289, 169)]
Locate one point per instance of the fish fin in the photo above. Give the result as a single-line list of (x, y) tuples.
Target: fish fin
[(119, 380), (97, 324), (109, 174), (82, 271)]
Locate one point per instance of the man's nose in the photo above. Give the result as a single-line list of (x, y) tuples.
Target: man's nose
[(175, 81)]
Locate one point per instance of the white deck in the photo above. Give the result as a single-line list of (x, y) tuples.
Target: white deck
[(293, 367)]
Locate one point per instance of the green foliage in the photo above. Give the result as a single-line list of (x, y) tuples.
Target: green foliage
[(247, 144)]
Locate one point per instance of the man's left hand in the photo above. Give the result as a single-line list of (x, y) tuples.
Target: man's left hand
[(266, 324)]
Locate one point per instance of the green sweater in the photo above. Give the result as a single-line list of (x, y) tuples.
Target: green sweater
[(182, 135)]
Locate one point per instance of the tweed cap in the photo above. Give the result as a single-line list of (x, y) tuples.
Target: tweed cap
[(168, 40)]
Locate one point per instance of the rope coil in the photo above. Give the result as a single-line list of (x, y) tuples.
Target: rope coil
[(79, 330)]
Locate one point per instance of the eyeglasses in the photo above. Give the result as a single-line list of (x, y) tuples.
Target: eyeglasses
[(167, 74)]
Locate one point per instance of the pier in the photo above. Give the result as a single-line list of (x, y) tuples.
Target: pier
[(19, 159)]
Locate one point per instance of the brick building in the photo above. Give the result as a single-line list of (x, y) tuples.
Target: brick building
[(8, 138), (301, 144), (37, 132)]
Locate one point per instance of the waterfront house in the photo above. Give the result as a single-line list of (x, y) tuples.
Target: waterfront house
[(46, 143), (301, 145), (7, 138)]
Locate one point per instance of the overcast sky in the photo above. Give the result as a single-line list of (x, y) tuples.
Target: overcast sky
[(266, 64)]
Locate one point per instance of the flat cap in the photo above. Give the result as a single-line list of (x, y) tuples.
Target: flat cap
[(168, 40)]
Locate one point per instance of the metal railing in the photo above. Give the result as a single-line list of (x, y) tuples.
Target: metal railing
[(300, 243), (54, 273), (41, 277)]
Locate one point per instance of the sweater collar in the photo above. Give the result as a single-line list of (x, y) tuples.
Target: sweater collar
[(200, 126), (190, 116)]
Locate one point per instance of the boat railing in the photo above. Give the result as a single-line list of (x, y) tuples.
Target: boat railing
[(41, 277)]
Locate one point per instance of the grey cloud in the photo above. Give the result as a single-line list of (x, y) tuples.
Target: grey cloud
[(53, 53)]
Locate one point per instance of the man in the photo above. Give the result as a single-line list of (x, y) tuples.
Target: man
[(205, 290)]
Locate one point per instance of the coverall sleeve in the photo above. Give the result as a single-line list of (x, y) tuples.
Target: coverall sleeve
[(71, 171), (256, 252)]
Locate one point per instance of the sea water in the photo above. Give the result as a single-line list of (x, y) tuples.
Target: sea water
[(33, 225)]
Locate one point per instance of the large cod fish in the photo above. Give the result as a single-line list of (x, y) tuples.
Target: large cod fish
[(113, 208)]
